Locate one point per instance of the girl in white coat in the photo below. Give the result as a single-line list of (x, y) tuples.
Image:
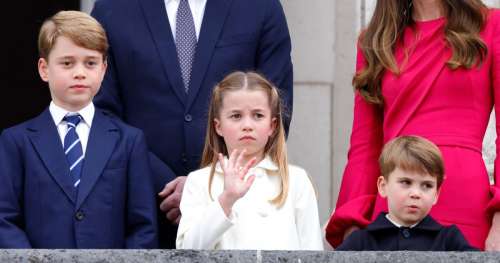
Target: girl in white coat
[(247, 196)]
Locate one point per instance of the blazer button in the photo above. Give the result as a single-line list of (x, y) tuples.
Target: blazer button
[(188, 117), (79, 215), (406, 233)]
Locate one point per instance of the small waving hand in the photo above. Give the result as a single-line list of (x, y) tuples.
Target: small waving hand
[(235, 186)]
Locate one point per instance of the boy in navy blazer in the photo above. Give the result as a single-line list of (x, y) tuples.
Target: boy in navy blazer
[(412, 172), (74, 177)]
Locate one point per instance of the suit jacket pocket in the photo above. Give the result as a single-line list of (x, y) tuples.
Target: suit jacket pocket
[(237, 39), (115, 164)]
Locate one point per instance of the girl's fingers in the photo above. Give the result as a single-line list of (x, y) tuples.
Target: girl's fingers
[(232, 158), (249, 182), (238, 161), (222, 163), (247, 167)]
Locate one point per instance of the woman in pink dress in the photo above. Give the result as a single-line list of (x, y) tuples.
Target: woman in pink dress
[(429, 68)]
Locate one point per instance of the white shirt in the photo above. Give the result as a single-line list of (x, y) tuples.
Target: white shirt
[(82, 129), (254, 222), (197, 9), (399, 225)]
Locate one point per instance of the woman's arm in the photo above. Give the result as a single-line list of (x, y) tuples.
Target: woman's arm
[(493, 239)]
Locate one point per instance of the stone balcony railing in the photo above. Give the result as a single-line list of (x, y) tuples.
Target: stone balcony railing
[(247, 256)]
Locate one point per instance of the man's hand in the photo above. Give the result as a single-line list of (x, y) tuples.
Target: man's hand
[(172, 194)]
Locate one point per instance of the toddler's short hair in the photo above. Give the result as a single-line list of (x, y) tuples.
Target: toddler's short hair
[(412, 153)]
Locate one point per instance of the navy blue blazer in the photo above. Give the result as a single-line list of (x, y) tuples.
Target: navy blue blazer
[(143, 83), (428, 235), (114, 206)]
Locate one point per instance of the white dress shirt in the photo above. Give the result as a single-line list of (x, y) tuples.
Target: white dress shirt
[(397, 224), (83, 128), (254, 222), (197, 9)]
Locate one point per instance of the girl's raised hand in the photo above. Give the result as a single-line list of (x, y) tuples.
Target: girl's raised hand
[(235, 185)]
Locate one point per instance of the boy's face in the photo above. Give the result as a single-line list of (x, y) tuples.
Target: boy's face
[(410, 195), (74, 74)]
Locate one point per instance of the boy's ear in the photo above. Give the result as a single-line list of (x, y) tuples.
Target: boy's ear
[(217, 127), (43, 69), (381, 183), (104, 66), (437, 196)]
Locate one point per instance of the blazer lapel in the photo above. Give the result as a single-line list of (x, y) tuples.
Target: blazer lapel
[(46, 141), (102, 139), (216, 12), (156, 16)]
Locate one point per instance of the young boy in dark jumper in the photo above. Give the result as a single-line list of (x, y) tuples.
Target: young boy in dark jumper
[(412, 172)]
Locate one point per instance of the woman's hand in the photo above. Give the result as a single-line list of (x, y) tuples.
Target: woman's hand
[(235, 185), (493, 240)]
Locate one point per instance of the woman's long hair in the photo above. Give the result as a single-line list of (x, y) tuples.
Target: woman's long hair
[(464, 21), (275, 147)]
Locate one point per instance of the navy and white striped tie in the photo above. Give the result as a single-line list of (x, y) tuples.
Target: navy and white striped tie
[(73, 148), (185, 41)]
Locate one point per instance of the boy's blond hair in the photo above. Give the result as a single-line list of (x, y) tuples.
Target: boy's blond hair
[(78, 26), (412, 153)]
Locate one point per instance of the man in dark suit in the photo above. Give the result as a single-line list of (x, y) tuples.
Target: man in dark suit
[(165, 57), (75, 177)]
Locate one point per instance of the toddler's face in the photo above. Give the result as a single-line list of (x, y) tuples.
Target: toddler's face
[(74, 74), (245, 121), (410, 195)]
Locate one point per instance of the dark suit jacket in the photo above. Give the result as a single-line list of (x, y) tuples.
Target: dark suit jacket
[(39, 207), (428, 235), (143, 83)]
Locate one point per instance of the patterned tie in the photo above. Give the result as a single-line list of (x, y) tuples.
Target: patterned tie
[(73, 148), (185, 41)]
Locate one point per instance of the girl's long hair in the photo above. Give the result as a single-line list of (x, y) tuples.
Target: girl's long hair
[(465, 19), (275, 147)]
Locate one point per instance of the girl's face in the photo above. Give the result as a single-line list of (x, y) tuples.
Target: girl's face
[(245, 121)]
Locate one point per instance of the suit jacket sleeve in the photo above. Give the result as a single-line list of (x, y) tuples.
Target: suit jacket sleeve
[(141, 205), (456, 241), (11, 193), (273, 57), (358, 190), (109, 98), (494, 204), (353, 242)]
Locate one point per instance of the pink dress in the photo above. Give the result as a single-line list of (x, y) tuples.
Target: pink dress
[(450, 108)]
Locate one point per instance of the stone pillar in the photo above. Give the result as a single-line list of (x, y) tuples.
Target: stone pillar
[(348, 19), (312, 30)]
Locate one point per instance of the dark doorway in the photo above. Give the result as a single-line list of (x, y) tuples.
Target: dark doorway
[(24, 95)]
